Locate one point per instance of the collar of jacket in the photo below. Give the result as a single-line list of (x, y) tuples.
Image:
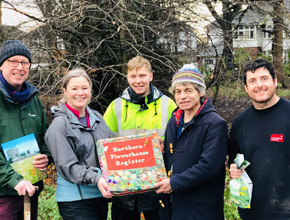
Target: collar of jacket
[(61, 109), (129, 95), (77, 113), (205, 108), (33, 92)]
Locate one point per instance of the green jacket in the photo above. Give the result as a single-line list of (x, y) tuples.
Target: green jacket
[(126, 117), (17, 120)]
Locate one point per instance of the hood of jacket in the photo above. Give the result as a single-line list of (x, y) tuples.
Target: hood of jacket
[(62, 110), (129, 95)]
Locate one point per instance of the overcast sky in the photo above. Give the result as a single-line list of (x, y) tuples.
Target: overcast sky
[(9, 17)]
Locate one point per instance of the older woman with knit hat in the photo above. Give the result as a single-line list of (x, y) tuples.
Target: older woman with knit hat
[(195, 149)]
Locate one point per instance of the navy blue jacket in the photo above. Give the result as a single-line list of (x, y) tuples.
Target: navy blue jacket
[(198, 160)]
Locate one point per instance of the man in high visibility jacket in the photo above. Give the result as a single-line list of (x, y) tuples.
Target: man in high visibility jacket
[(140, 108)]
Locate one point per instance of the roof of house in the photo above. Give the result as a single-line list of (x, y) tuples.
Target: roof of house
[(210, 51), (250, 17)]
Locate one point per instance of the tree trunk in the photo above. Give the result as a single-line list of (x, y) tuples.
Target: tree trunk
[(0, 12), (230, 8), (277, 42), (1, 29), (123, 56), (228, 49)]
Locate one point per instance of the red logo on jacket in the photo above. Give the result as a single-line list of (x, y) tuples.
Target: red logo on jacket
[(277, 138)]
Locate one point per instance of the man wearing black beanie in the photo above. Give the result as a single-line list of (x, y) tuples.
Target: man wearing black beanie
[(21, 113)]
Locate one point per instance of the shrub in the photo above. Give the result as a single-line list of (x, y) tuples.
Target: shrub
[(47, 207), (230, 209)]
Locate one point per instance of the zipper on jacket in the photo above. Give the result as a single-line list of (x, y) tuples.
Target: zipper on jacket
[(21, 118), (80, 191), (95, 141)]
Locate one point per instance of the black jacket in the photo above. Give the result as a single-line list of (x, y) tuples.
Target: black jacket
[(263, 136)]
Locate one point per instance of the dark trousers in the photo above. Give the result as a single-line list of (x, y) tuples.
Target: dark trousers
[(88, 209), (119, 213), (12, 208)]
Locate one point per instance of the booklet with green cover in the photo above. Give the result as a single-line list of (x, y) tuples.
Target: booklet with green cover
[(20, 153)]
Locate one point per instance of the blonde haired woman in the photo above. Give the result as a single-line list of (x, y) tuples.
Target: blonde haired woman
[(71, 139)]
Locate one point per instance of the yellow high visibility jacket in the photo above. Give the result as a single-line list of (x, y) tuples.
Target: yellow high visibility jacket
[(127, 118)]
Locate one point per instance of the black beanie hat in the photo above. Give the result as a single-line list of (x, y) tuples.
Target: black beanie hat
[(11, 48)]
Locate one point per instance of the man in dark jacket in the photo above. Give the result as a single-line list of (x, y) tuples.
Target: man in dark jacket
[(21, 113), (262, 134)]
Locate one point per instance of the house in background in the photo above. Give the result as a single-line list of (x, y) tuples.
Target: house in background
[(183, 44), (253, 33)]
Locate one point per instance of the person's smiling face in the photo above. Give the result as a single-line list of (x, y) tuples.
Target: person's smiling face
[(187, 97), (15, 75), (139, 80), (261, 88), (78, 93)]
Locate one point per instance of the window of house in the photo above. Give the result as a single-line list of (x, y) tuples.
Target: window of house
[(189, 39), (285, 56), (208, 61), (267, 53), (267, 34), (60, 43), (241, 35), (252, 32), (286, 35), (246, 32)]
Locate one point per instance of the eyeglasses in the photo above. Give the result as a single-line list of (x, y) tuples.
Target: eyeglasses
[(15, 63)]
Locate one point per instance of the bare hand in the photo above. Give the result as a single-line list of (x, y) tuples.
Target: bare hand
[(164, 186), (235, 172), (40, 162), (104, 188), (161, 144), (24, 187)]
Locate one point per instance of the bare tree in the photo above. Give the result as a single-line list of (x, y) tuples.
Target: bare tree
[(101, 36), (229, 20), (230, 10)]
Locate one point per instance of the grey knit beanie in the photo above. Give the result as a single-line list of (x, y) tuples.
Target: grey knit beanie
[(11, 48)]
